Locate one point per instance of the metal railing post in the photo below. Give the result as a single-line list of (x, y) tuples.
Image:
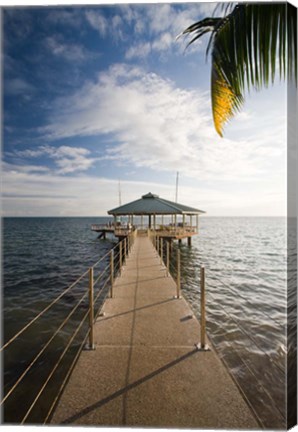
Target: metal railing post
[(120, 250), (178, 274), (203, 311), (125, 251), (111, 272), (91, 310), (168, 258), (202, 346)]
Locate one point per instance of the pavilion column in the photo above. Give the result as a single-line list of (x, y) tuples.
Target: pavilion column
[(190, 220), (149, 221), (197, 224), (142, 221), (154, 221), (183, 220), (175, 219)]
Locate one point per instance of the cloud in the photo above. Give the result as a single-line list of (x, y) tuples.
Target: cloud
[(18, 86), (156, 125), (152, 28), (28, 192), (65, 17), (97, 21), (68, 51), (163, 22), (67, 159), (112, 26), (140, 50)]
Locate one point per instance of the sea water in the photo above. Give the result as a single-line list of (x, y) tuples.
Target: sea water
[(245, 261)]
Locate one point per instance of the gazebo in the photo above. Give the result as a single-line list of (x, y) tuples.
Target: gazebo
[(167, 219)]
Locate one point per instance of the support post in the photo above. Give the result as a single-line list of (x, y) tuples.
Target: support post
[(120, 255), (189, 241), (91, 311), (125, 251), (168, 258), (161, 250), (178, 274), (111, 272), (203, 345), (203, 319)]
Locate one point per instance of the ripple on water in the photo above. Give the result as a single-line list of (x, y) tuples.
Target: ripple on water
[(245, 260)]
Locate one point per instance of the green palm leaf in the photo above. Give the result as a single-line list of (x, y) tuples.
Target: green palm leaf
[(247, 47)]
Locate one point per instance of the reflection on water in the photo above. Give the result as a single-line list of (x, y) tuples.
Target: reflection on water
[(245, 260)]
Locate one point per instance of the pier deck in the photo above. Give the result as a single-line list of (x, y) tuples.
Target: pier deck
[(145, 370)]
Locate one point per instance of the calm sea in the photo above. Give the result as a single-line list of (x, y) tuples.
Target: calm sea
[(245, 260)]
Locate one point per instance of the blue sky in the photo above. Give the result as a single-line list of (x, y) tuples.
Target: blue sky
[(94, 95)]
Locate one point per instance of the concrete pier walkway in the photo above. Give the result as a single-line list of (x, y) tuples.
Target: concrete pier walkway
[(145, 370)]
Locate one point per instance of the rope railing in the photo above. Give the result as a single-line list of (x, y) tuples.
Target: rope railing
[(247, 334), (101, 259), (115, 259), (172, 261), (54, 368), (42, 312), (70, 369), (43, 349)]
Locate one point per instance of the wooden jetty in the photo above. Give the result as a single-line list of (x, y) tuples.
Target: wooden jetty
[(167, 219), (146, 369)]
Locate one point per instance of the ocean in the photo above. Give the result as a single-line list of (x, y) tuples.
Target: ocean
[(246, 275)]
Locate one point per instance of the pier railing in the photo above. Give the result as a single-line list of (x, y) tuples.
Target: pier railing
[(121, 230), (172, 261), (77, 307)]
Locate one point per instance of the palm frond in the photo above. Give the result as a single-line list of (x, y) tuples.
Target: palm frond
[(245, 46)]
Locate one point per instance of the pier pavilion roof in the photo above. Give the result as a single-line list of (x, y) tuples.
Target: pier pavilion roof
[(151, 204)]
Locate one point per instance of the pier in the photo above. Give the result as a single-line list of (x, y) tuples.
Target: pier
[(146, 366), (150, 213)]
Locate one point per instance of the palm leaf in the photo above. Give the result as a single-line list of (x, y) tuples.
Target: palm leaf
[(245, 46)]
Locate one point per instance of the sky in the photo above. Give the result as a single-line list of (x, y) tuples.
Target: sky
[(100, 96)]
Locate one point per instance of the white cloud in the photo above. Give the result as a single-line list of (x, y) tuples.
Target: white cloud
[(68, 51), (32, 193), (163, 42), (163, 22), (140, 50), (97, 21), (153, 28), (67, 159), (156, 125)]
